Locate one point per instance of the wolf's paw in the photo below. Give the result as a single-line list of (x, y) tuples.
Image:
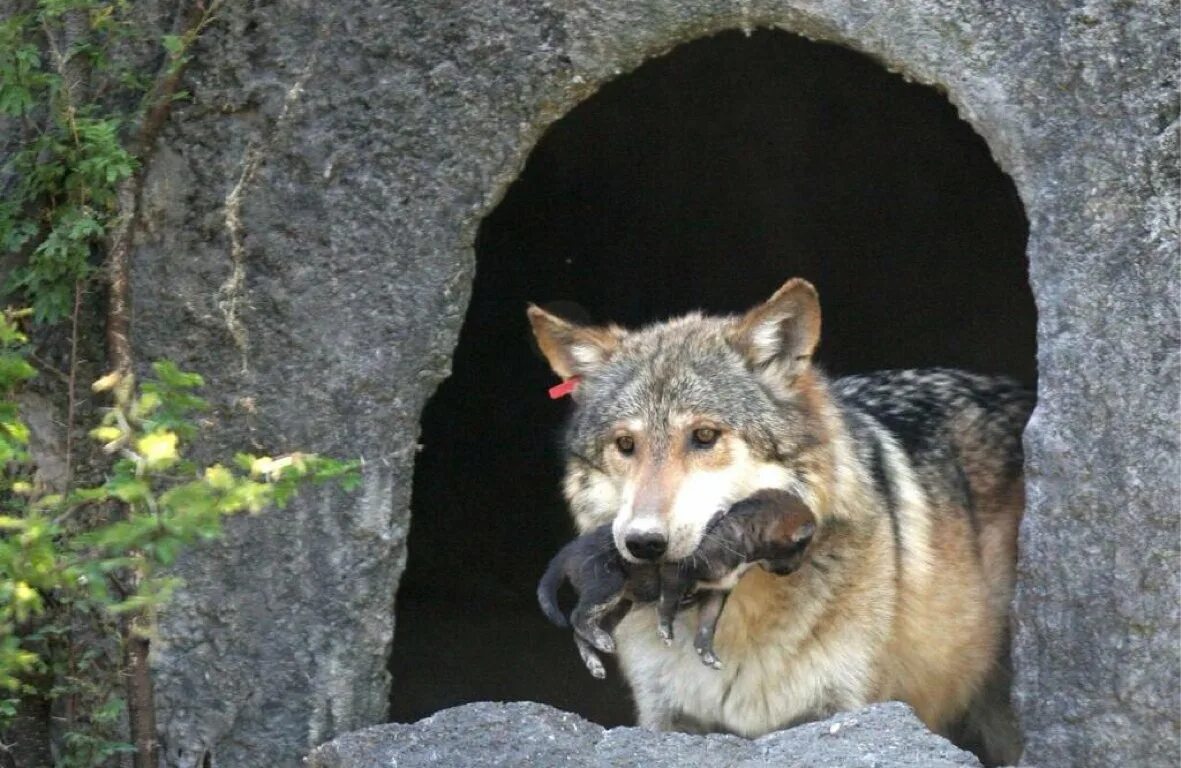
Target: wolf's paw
[(709, 658)]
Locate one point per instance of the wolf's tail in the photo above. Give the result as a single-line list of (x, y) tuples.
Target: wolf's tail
[(547, 589)]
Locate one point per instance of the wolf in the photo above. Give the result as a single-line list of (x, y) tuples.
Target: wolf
[(915, 479), (771, 528)]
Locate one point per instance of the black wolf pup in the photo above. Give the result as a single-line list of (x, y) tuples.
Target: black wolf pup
[(606, 585), (772, 527)]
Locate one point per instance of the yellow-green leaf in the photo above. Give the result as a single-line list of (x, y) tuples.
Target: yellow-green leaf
[(106, 382), (263, 465), (129, 490), (145, 405), (158, 449), (106, 434), (219, 477), (17, 431)]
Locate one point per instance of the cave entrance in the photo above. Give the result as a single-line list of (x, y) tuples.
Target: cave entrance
[(702, 180)]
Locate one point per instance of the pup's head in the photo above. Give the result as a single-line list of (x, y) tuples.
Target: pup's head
[(779, 526), (677, 421)]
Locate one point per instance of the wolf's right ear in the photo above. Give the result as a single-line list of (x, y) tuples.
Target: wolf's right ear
[(572, 350), (780, 335)]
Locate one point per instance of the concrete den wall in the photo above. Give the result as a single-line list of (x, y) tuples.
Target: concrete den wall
[(308, 247)]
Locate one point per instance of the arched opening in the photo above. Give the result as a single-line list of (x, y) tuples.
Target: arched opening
[(701, 180)]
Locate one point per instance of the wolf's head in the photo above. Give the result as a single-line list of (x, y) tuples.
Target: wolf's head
[(677, 421)]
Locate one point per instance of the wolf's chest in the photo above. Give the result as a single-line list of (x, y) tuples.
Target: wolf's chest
[(768, 680)]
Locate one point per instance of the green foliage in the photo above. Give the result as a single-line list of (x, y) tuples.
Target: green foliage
[(153, 504), (62, 179), (14, 369), (83, 570)]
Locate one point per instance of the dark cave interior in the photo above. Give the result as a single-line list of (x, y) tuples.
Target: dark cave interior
[(702, 180)]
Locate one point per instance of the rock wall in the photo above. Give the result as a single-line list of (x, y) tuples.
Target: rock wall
[(308, 248)]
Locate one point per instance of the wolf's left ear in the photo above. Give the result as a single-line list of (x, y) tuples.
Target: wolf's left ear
[(572, 350), (779, 335)]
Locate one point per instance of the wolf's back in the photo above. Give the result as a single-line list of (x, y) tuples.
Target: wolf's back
[(931, 411)]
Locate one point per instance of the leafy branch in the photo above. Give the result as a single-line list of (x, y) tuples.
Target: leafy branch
[(115, 568), (83, 571), (60, 183)]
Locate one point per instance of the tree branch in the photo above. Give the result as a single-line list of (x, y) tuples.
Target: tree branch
[(141, 708), (157, 107)]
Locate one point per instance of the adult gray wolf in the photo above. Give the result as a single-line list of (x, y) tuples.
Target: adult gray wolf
[(914, 479)]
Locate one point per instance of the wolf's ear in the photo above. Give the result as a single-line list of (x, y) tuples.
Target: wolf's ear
[(783, 331), (572, 350)]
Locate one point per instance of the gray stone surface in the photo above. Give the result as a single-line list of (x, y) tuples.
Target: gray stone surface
[(523, 733), (308, 247)]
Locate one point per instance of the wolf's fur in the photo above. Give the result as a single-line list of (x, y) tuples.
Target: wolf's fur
[(915, 480)]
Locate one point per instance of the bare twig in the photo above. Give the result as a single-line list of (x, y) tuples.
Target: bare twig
[(70, 81), (119, 275), (71, 383), (158, 106), (141, 699), (49, 367)]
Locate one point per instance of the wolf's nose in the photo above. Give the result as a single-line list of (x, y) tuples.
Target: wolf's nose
[(646, 546)]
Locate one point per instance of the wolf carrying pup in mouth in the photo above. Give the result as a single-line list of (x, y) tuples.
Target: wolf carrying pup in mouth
[(915, 482)]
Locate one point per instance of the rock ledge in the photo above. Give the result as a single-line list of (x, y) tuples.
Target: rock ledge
[(529, 734)]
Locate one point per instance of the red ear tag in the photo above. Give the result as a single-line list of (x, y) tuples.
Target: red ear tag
[(559, 391)]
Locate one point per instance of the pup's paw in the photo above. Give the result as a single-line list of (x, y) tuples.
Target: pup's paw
[(586, 623), (709, 658), (590, 659)]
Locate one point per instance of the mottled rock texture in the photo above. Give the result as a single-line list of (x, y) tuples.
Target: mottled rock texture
[(524, 733), (307, 246)]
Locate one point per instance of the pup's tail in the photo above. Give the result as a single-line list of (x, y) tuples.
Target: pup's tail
[(547, 589)]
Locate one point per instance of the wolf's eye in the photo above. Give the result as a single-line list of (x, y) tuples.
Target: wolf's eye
[(625, 444), (704, 437)]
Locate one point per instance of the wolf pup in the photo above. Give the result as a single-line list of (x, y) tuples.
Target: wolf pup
[(771, 527), (915, 482), (606, 584)]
